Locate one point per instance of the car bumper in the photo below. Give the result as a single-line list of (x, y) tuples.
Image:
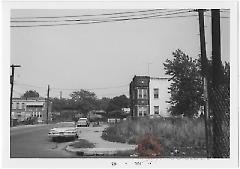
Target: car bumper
[(66, 135)]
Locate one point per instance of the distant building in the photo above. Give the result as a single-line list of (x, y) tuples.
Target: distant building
[(149, 96), (126, 110), (23, 109)]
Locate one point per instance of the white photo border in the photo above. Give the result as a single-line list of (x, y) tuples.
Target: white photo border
[(121, 162)]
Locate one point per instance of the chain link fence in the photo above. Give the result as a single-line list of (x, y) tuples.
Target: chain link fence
[(219, 122)]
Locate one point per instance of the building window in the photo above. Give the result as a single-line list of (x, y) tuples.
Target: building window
[(139, 93), (23, 105), (156, 109), (17, 106), (156, 93), (145, 93), (142, 111), (142, 94)]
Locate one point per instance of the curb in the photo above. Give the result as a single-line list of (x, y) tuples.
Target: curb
[(98, 151)]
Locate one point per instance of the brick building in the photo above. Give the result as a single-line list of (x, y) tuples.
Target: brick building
[(139, 96), (149, 96)]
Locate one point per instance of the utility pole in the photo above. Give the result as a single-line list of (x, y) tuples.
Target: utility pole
[(47, 101), (218, 145), (12, 82), (204, 74), (60, 95)]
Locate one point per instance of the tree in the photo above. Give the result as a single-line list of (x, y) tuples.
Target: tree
[(30, 94), (84, 100), (103, 103), (186, 87), (118, 102)]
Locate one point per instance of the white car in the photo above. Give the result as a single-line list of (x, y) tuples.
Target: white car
[(83, 122), (63, 130)]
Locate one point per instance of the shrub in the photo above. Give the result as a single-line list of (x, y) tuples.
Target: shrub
[(149, 146)]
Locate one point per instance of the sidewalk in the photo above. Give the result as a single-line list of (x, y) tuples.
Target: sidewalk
[(93, 135)]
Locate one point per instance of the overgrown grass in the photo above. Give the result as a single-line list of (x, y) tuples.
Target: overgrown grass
[(81, 143), (170, 132)]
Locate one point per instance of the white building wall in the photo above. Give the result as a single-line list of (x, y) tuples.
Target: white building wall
[(162, 84)]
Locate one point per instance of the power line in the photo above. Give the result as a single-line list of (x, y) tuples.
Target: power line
[(101, 88), (29, 85), (101, 14), (88, 15), (72, 89), (113, 20), (97, 19), (224, 17), (22, 93)]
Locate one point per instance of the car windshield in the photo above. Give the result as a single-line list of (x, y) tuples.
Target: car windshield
[(65, 124), (83, 119)]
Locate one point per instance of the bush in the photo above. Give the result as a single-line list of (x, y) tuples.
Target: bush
[(149, 146), (110, 135)]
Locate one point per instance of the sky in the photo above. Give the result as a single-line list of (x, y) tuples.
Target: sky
[(102, 57)]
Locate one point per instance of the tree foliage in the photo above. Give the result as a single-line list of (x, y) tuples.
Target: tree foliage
[(84, 100), (103, 103), (117, 103), (30, 94), (186, 87)]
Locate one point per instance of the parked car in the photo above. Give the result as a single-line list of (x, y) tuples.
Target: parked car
[(63, 130), (83, 121)]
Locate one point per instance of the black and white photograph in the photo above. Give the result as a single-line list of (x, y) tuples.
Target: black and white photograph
[(140, 83)]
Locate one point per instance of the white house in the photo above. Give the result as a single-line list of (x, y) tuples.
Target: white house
[(158, 96), (25, 108)]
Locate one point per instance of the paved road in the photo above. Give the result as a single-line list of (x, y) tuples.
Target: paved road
[(32, 141)]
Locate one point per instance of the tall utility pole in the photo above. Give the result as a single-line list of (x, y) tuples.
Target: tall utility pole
[(218, 145), (12, 82), (47, 101), (216, 47), (204, 74)]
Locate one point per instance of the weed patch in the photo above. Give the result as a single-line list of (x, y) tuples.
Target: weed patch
[(169, 132), (81, 143)]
